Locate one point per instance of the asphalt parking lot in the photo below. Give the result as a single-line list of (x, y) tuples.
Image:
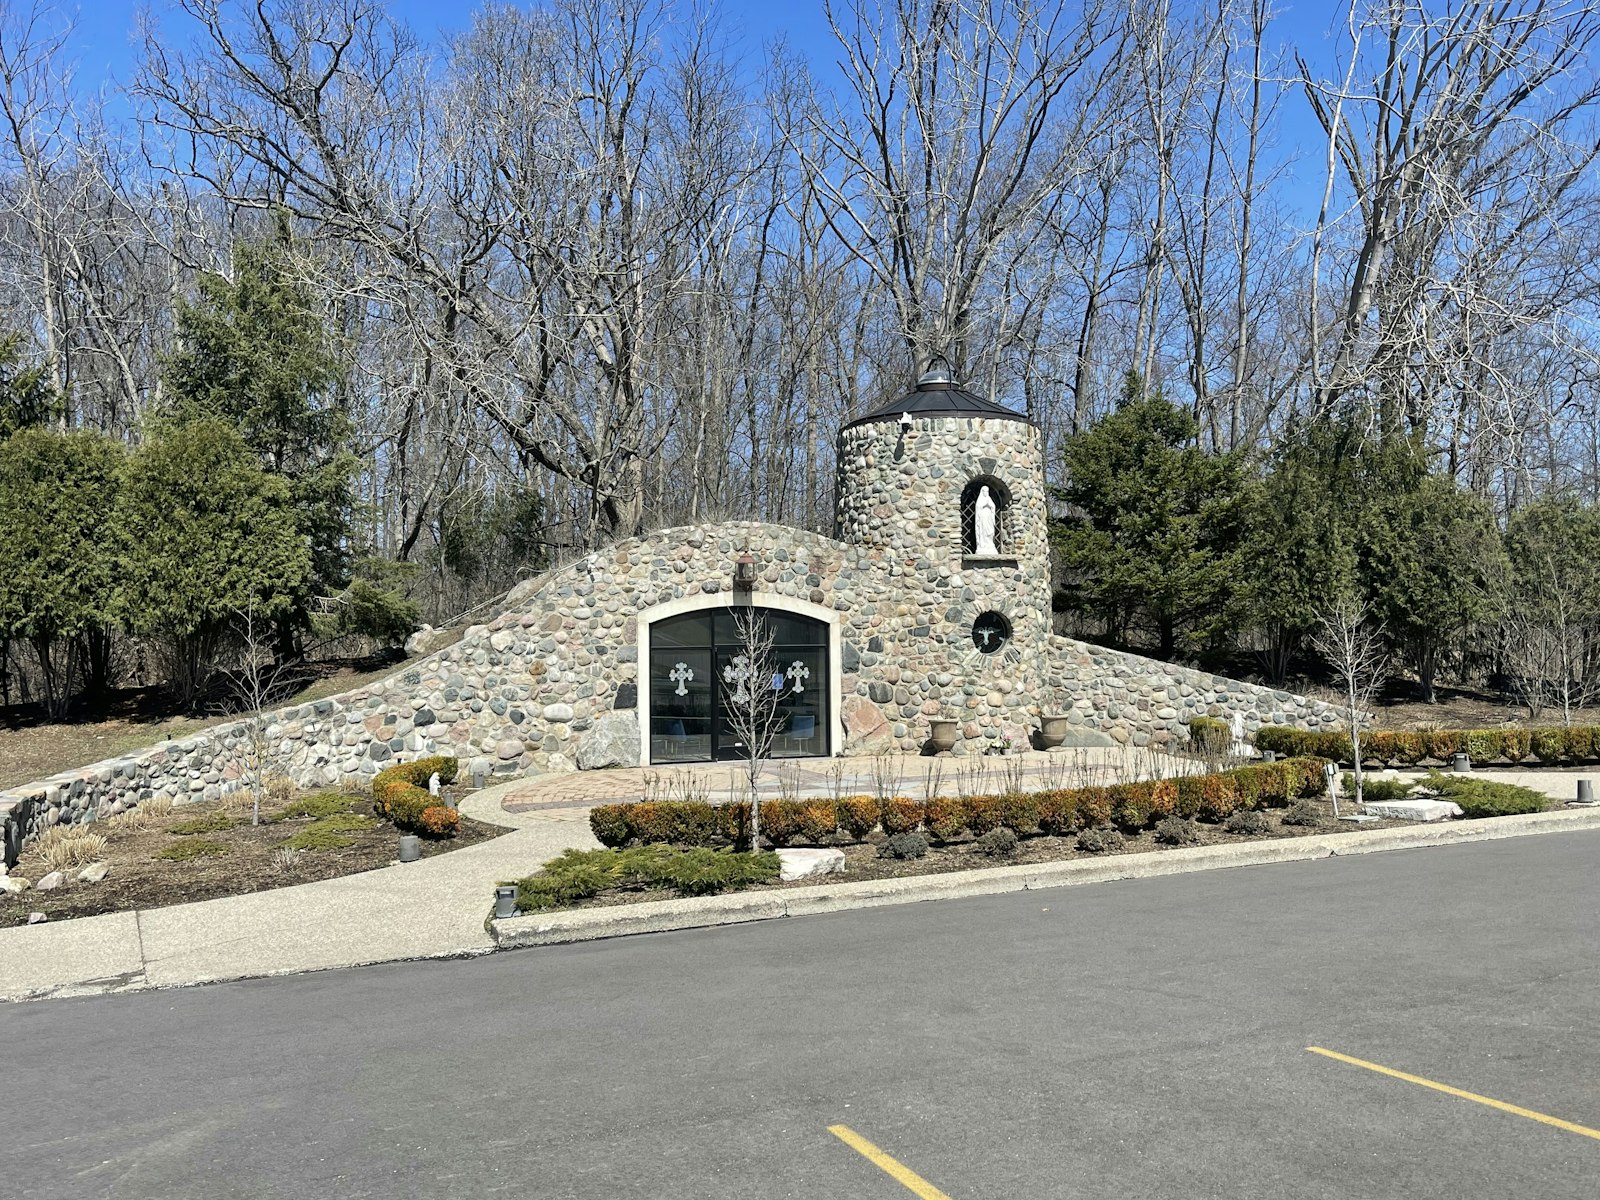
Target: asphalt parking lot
[(1146, 1038)]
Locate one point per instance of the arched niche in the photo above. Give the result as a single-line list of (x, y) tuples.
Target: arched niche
[(1002, 516)]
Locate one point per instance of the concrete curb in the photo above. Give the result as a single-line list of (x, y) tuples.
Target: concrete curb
[(659, 916)]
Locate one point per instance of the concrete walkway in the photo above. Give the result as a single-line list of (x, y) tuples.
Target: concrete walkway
[(428, 909)]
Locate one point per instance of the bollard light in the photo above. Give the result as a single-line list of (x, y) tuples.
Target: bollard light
[(1460, 764), (410, 847), (1269, 756), (478, 778), (1585, 791), (505, 903)]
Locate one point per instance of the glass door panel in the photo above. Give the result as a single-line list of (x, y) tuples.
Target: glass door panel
[(681, 705)]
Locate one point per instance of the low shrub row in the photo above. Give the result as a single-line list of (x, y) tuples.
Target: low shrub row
[(579, 874), (400, 793), (1130, 807), (1407, 747)]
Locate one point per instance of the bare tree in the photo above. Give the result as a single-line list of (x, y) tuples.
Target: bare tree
[(959, 129), (754, 685), (252, 684), (1548, 638), (1353, 645)]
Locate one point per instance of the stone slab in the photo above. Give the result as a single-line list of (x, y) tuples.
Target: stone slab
[(1414, 810), (805, 862)]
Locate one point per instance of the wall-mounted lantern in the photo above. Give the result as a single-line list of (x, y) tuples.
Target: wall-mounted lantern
[(744, 571)]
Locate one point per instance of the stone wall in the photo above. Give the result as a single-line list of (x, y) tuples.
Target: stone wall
[(1109, 697), (553, 683)]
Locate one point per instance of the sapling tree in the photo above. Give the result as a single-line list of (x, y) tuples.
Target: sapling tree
[(252, 683), (752, 703), (1353, 645)]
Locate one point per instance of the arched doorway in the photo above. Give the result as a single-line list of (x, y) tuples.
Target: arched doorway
[(689, 692)]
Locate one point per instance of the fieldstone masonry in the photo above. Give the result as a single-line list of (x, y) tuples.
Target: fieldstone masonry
[(554, 683)]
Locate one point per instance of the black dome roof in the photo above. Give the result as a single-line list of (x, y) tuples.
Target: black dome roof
[(939, 397)]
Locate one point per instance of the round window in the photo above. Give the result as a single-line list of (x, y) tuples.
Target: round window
[(990, 632)]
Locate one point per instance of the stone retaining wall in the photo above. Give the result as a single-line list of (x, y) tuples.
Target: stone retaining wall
[(1110, 697)]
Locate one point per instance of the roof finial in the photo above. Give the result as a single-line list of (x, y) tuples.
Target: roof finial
[(938, 373)]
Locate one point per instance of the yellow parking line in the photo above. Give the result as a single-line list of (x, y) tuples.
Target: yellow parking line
[(1543, 1119), (904, 1174)]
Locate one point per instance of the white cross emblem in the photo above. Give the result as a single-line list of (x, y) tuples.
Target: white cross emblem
[(738, 673), (799, 672), (680, 675)]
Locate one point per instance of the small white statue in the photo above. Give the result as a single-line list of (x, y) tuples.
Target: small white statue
[(1238, 733), (983, 525), (433, 784)]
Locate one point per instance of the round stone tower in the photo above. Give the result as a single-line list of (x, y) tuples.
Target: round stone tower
[(944, 492)]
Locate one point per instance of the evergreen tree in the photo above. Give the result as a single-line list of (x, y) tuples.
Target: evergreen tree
[(25, 398), (1322, 480), (57, 557), (207, 535), (1433, 564), (1158, 527), (255, 351)]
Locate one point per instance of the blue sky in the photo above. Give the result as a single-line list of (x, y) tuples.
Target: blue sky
[(104, 42), (105, 52)]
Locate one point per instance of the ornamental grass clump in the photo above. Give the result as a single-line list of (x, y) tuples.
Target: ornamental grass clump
[(63, 846)]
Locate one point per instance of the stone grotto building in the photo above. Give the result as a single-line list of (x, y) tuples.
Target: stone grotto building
[(930, 602)]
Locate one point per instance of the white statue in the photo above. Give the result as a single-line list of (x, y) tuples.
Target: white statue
[(1237, 730), (983, 525), (433, 784)]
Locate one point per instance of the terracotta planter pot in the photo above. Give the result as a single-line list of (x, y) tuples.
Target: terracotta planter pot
[(943, 735)]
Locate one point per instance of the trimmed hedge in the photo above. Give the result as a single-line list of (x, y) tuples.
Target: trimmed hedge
[(1406, 748), (1131, 807), (400, 793)]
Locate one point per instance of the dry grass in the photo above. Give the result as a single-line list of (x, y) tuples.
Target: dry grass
[(68, 846), (148, 814)]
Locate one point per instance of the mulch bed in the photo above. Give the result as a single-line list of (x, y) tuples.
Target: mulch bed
[(862, 861), (139, 879)]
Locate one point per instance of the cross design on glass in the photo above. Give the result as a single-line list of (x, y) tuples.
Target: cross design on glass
[(681, 674), (739, 673), (799, 673), (987, 635)]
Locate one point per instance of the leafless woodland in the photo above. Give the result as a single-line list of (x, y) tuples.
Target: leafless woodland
[(585, 247)]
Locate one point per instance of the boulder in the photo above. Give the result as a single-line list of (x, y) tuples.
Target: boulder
[(804, 863), (613, 742), (12, 884), (51, 881), (94, 872), (867, 730)]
